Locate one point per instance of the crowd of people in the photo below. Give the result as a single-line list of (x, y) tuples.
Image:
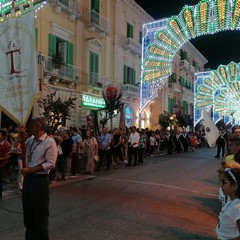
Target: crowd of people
[(81, 149)]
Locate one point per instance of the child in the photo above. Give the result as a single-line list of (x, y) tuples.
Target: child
[(228, 226), (234, 148), (193, 141)]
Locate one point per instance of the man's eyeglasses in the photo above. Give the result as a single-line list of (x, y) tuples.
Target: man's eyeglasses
[(223, 182)]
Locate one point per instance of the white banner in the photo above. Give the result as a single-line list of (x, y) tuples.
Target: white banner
[(211, 130), (18, 67)]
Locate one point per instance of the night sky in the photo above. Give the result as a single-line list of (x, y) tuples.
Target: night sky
[(220, 48)]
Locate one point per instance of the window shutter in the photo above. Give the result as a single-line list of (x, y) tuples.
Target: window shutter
[(52, 45), (36, 36), (133, 76), (140, 37), (125, 74), (70, 53)]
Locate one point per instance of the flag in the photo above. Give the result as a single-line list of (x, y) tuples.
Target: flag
[(19, 86), (211, 130)]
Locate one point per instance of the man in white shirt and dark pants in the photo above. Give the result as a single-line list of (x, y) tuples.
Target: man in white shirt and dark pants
[(133, 146)]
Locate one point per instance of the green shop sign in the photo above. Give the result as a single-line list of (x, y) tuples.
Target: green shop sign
[(89, 101)]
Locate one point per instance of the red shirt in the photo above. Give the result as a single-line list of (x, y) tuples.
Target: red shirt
[(4, 149)]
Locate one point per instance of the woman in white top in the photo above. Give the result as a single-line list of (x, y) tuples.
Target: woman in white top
[(90, 147)]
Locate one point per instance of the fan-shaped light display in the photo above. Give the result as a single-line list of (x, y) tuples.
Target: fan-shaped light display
[(164, 38), (219, 91), (7, 5)]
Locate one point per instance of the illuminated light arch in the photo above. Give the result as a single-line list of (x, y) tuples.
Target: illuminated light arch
[(219, 91), (164, 38)]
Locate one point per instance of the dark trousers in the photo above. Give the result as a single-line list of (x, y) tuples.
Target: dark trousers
[(35, 199), (1, 181), (140, 155), (134, 152), (74, 163), (220, 146), (107, 154)]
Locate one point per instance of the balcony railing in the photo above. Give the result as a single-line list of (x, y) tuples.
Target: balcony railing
[(175, 87), (184, 65), (130, 89), (133, 46), (97, 23), (69, 7), (98, 81), (66, 73)]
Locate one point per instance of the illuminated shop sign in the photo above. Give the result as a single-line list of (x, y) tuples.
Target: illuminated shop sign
[(93, 102)]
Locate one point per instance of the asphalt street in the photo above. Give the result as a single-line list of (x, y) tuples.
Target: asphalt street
[(168, 197)]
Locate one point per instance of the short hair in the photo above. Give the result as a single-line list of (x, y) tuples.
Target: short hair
[(234, 139), (67, 132), (41, 122), (3, 132)]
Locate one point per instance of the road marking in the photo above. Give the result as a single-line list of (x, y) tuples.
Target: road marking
[(162, 185)]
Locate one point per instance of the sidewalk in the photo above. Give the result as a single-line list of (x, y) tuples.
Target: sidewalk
[(10, 189)]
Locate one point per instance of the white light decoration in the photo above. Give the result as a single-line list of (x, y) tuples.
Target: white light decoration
[(164, 38), (219, 91)]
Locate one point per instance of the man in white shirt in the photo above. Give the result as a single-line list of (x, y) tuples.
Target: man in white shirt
[(133, 146)]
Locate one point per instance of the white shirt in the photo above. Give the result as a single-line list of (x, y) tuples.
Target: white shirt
[(134, 138), (42, 151), (227, 227)]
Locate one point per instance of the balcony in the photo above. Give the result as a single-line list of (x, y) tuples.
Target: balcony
[(174, 87), (130, 89), (184, 65), (97, 23), (133, 46), (66, 73), (192, 70), (72, 8)]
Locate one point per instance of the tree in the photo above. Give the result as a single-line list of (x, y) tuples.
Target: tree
[(56, 111), (112, 97), (164, 120)]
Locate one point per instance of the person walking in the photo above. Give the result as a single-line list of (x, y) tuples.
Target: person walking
[(90, 147), (41, 156)]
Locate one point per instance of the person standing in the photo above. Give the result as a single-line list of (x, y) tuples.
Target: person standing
[(90, 147), (67, 148), (5, 149), (133, 146), (221, 142), (77, 142), (228, 226), (116, 147), (41, 156), (104, 148)]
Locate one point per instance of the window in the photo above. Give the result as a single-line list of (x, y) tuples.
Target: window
[(185, 107), (65, 2), (93, 68), (95, 5), (129, 75), (64, 48), (129, 30)]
